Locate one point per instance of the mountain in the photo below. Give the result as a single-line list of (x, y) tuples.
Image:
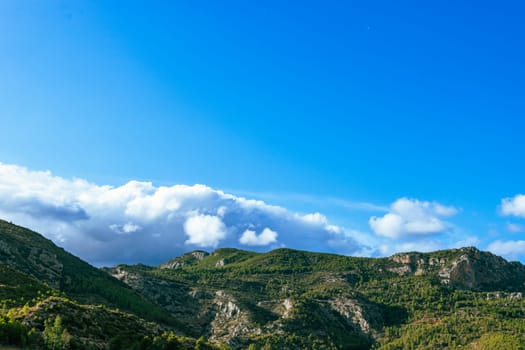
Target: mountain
[(296, 300), (284, 299)]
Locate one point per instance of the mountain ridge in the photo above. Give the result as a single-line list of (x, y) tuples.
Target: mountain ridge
[(282, 299), (286, 284)]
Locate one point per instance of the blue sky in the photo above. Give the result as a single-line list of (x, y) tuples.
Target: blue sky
[(337, 108)]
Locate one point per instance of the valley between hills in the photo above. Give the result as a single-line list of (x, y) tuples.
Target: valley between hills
[(235, 299)]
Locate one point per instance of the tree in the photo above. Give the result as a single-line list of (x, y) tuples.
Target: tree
[(56, 337)]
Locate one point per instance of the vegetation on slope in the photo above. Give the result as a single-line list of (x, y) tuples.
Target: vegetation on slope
[(447, 299), (284, 299), (32, 254), (50, 299)]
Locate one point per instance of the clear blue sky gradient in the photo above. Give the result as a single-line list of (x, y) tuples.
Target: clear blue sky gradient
[(366, 101)]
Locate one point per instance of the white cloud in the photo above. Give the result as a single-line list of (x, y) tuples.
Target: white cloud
[(266, 237), (140, 222), (205, 230), (507, 249), (315, 218), (514, 206), (411, 217)]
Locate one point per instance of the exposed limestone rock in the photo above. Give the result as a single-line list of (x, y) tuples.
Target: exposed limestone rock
[(437, 261), (288, 305), (500, 295), (185, 260), (363, 316), (468, 269), (460, 272), (474, 269), (199, 255), (404, 270), (229, 322), (173, 265), (415, 263)]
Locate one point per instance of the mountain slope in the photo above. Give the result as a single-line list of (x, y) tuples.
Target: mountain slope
[(296, 299), (28, 252), (283, 299), (50, 299)]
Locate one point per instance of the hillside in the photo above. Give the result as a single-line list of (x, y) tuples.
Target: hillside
[(284, 299), (30, 253), (40, 281), (296, 299)]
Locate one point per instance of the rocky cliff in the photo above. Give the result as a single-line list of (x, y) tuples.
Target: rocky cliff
[(467, 268)]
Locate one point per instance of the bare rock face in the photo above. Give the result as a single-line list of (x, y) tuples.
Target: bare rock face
[(220, 263), (230, 322), (363, 317), (185, 260), (131, 279), (404, 270), (478, 270), (199, 255), (288, 306), (466, 268), (415, 263), (173, 265)]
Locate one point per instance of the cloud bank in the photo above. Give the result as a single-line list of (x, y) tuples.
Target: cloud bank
[(140, 222)]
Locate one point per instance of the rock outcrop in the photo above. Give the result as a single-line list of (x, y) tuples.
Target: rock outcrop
[(465, 268)]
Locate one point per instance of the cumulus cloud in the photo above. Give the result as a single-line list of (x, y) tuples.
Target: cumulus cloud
[(205, 230), (141, 222), (266, 237), (412, 217), (507, 249), (514, 206)]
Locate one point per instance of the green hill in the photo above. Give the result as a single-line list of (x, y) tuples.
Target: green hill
[(299, 300), (284, 299), (40, 281)]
